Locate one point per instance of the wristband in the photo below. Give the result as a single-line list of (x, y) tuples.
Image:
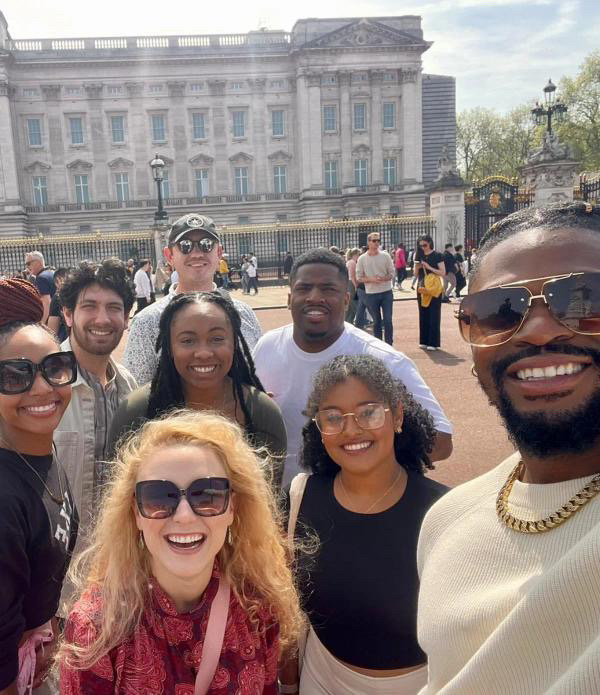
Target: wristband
[(288, 688)]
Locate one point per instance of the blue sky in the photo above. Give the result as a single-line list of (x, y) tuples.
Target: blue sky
[(502, 52)]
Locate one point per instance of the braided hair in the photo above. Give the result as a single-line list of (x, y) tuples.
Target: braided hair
[(576, 214), (166, 390), (412, 446), (20, 305)]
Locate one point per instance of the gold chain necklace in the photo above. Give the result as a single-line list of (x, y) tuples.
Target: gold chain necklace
[(57, 500), (555, 519), (377, 501)]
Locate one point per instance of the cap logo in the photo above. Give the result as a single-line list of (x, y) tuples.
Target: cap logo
[(194, 222)]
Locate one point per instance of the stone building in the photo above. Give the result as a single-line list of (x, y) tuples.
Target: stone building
[(334, 119)]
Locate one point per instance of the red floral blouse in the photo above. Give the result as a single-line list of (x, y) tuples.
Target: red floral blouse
[(163, 653)]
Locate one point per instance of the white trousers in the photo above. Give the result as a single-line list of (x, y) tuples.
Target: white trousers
[(323, 674)]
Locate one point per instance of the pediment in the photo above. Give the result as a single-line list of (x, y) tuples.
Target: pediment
[(37, 165), (280, 154), (361, 150), (79, 164), (201, 159), (120, 162), (241, 157), (365, 33)]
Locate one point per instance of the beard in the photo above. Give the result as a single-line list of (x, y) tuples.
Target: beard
[(543, 434), (87, 343)]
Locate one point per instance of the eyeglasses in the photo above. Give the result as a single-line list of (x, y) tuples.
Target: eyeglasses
[(493, 316), (206, 245), (18, 375), (369, 416), (375, 241), (423, 246), (159, 499)]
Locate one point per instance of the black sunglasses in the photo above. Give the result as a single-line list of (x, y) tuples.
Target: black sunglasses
[(206, 245), (18, 375), (493, 316), (159, 499)]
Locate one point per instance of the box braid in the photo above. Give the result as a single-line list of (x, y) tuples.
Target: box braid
[(576, 214), (166, 390)]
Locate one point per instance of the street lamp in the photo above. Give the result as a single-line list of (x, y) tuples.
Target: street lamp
[(157, 165), (554, 108)]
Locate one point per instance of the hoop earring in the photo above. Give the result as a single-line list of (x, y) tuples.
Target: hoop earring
[(473, 372), (141, 543)]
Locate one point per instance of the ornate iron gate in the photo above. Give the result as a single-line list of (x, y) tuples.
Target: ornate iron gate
[(491, 200)]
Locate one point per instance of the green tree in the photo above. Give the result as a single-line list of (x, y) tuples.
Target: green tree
[(581, 130)]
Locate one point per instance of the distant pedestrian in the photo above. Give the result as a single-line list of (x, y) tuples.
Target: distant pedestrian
[(162, 280), (143, 286), (56, 321), (450, 267), (43, 279), (400, 264), (352, 258), (461, 272), (288, 261), (376, 269), (410, 262), (244, 274), (252, 271), (429, 262), (224, 271)]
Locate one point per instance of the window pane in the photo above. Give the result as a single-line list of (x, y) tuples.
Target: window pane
[(201, 179), (360, 172), (389, 115), (117, 125), (331, 175), (279, 179), (239, 124), (158, 128), (360, 119), (34, 132), (277, 117), (122, 186), (40, 190), (329, 118), (76, 128), (198, 126), (241, 180), (389, 171), (82, 194)]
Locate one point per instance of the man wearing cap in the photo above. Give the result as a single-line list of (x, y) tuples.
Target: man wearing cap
[(194, 251), (376, 269)]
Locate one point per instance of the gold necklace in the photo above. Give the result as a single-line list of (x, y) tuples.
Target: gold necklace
[(57, 500), (378, 500), (555, 519)]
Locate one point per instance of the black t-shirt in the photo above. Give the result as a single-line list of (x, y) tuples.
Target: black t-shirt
[(360, 587), (56, 310), (459, 258), (433, 260), (449, 262), (37, 536)]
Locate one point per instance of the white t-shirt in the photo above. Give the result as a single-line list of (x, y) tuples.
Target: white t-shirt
[(251, 269), (287, 372)]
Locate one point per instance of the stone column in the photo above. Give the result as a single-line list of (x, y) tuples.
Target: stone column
[(139, 141), (260, 140), (220, 134), (10, 195), (59, 185), (412, 164), (447, 205), (550, 172), (376, 127), (316, 137), (101, 187), (177, 117), (346, 175), (308, 118)]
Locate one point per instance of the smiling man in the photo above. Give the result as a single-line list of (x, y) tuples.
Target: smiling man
[(287, 358), (194, 251), (510, 562), (96, 301)]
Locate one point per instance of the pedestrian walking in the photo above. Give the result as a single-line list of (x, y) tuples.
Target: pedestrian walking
[(143, 285), (509, 562), (461, 272), (287, 264), (352, 258), (429, 262), (376, 270), (451, 269), (400, 265), (252, 272), (224, 271), (190, 589), (365, 450)]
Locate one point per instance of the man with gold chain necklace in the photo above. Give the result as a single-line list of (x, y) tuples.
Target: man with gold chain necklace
[(510, 562)]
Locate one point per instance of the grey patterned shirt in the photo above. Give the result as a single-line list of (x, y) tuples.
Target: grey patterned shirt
[(141, 358)]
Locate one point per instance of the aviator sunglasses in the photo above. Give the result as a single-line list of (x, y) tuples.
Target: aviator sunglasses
[(205, 245), (493, 316), (159, 499), (18, 375)]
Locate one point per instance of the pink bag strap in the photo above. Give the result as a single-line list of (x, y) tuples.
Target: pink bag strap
[(213, 640)]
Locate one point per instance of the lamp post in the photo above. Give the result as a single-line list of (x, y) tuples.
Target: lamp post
[(157, 165), (552, 108)]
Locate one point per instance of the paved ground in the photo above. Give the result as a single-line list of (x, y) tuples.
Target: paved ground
[(480, 441)]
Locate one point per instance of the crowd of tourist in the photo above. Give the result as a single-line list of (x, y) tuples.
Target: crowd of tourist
[(232, 513)]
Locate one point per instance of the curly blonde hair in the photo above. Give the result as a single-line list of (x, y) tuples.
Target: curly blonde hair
[(256, 562)]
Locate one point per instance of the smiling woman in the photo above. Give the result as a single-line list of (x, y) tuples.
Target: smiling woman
[(205, 364), (38, 522), (366, 443), (188, 539)]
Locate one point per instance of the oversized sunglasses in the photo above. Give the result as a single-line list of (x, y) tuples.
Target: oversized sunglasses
[(18, 375), (205, 245), (369, 416), (159, 499), (493, 316)]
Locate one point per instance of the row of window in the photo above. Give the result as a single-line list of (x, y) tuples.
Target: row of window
[(239, 124), (241, 181)]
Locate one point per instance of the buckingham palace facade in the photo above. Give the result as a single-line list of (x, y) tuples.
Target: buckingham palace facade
[(333, 119)]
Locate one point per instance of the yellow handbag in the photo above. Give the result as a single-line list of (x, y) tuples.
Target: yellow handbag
[(432, 287)]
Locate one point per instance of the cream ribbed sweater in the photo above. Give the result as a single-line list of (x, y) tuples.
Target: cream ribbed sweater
[(508, 613)]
